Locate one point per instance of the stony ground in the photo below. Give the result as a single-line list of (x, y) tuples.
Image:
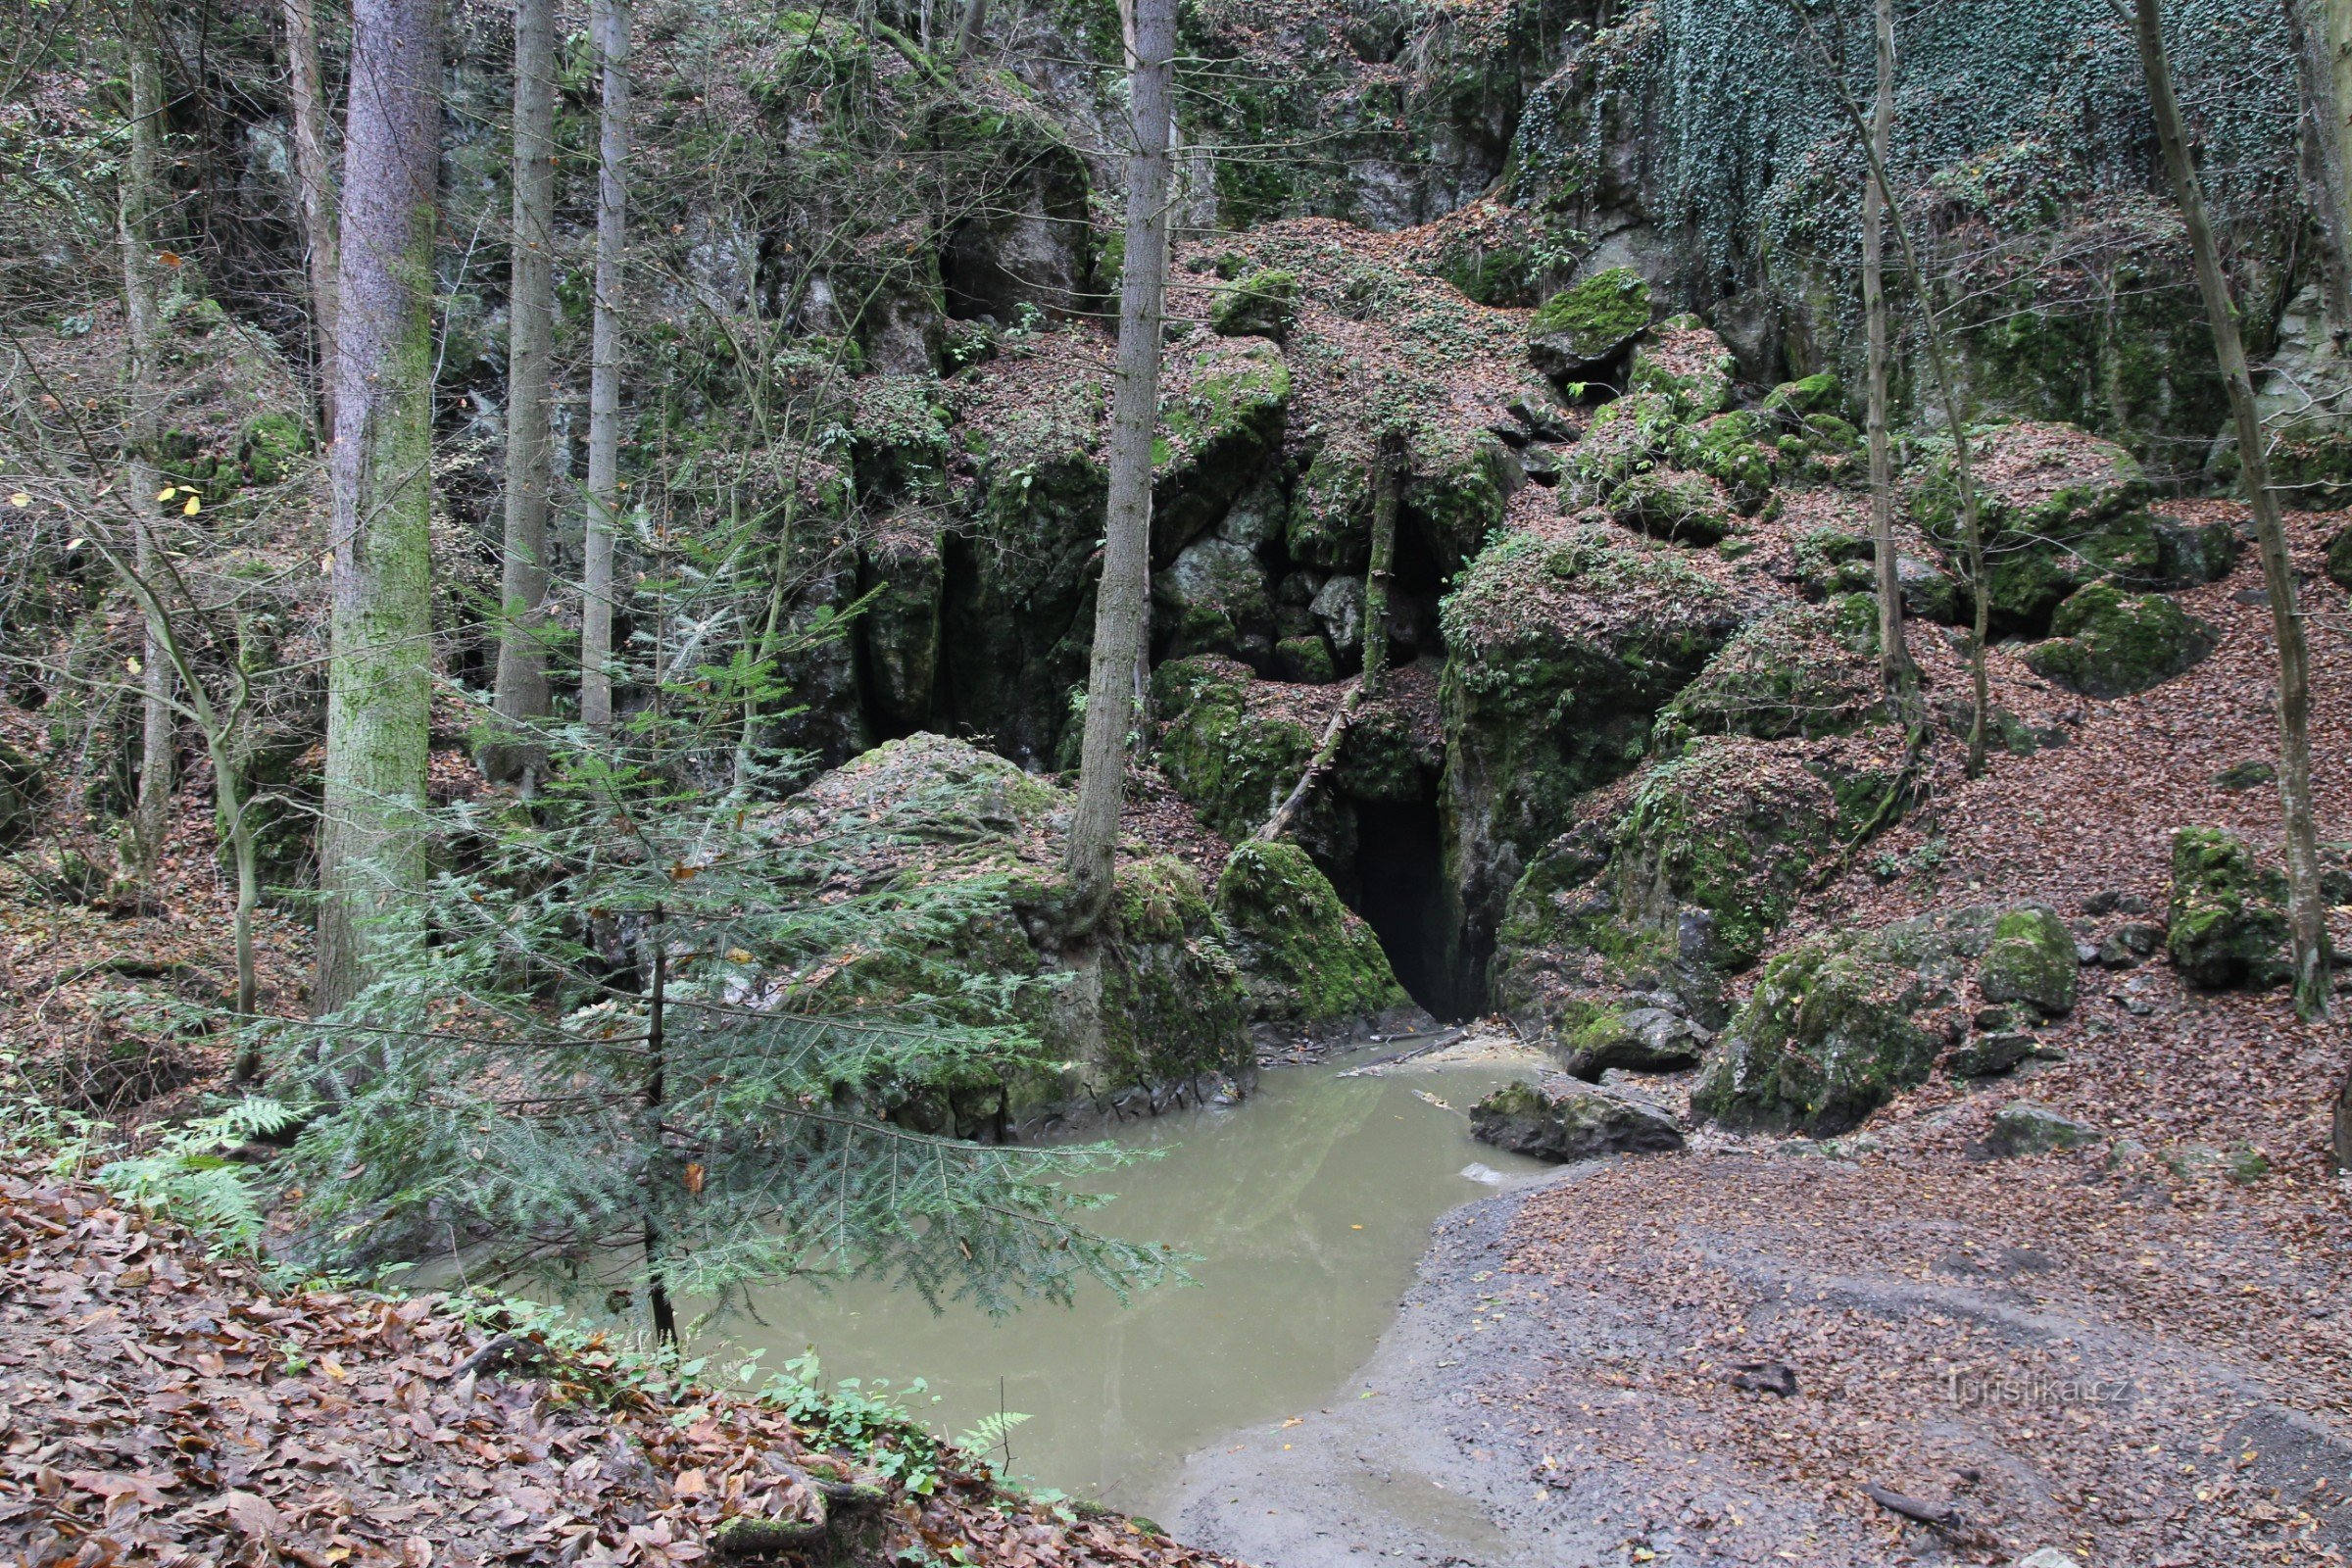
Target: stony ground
[(2135, 1351)]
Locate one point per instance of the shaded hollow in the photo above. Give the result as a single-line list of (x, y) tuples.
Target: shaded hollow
[(1401, 892)]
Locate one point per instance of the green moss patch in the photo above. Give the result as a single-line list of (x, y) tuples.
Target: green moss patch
[(1305, 956), (2109, 643)]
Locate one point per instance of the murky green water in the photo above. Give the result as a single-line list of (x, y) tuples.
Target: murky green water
[(1307, 1206)]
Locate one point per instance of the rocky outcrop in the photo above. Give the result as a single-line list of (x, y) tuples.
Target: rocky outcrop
[(1583, 330), (1561, 1119), (1305, 958), (2228, 922)]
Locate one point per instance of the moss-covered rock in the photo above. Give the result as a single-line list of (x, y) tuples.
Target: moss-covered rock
[(1827, 1037), (1213, 598), (1627, 437), (1792, 402), (2031, 960), (2339, 557), (1230, 755), (1730, 447), (1673, 504), (1304, 958), (1633, 1039), (2109, 643), (271, 447), (1562, 644), (2024, 1128), (1260, 304), (21, 786), (2229, 924), (1561, 1119), (1583, 329), (1305, 659), (903, 580), (1688, 365), (1173, 1007), (1221, 414), (1803, 670)]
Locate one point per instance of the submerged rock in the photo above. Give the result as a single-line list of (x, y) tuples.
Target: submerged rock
[(1561, 1119)]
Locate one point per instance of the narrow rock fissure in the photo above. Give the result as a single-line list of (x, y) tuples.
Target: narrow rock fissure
[(1400, 889)]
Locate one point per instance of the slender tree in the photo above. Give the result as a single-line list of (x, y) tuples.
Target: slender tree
[(1121, 600), (314, 188), (1896, 669), (967, 35), (1387, 479), (610, 27), (521, 692), (2307, 911), (139, 201), (380, 676)]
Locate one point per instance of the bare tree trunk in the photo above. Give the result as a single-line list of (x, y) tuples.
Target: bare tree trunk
[(314, 188), (522, 691), (1388, 481), (140, 198), (1120, 601), (2322, 156), (1896, 670), (380, 672), (612, 30), (2307, 914), (968, 36)]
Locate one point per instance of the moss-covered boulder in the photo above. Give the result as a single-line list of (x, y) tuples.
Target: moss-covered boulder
[(1261, 304), (271, 447), (1221, 414), (1560, 1120), (1627, 437), (1233, 746), (1684, 362), (1802, 671), (2109, 643), (965, 820), (1304, 958), (1582, 330), (1790, 404), (21, 786), (1214, 599), (1633, 1038), (1731, 449), (1563, 642), (1827, 1036), (2229, 924), (1305, 659), (2031, 960), (1674, 504)]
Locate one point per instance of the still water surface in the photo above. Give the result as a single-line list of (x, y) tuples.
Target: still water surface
[(1307, 1206)]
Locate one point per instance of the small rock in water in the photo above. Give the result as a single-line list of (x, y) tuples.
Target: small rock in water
[(1484, 1175)]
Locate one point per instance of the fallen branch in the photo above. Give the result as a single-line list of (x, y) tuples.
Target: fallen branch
[(840, 1508), (1326, 753)]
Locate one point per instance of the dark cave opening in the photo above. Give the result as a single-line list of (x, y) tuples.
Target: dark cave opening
[(1401, 892)]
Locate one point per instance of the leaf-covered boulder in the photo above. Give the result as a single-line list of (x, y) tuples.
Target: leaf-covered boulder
[(1674, 504), (2227, 923), (2031, 960), (1802, 671), (1261, 304), (1221, 414), (1305, 956), (1625, 438), (1683, 362), (1561, 1119), (2108, 643), (1829, 1035), (1583, 329)]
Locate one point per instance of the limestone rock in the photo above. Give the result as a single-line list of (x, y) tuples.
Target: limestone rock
[(2032, 959), (1639, 1039), (1340, 605), (1583, 329), (1803, 671), (1304, 956), (2228, 922), (2111, 644), (1212, 599), (1259, 305), (1686, 362), (1561, 1119), (2025, 1128)]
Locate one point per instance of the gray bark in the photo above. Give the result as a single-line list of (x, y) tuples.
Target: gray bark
[(314, 188), (1121, 600), (521, 694), (2323, 154), (2307, 911), (610, 25), (139, 201), (1388, 481), (968, 36), (1894, 657), (380, 675)]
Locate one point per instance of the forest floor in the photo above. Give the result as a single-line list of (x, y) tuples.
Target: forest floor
[(160, 1407), (2137, 1352)]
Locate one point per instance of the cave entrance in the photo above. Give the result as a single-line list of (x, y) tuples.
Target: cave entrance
[(1400, 882)]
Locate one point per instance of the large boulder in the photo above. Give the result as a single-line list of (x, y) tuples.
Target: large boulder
[(1234, 747), (1213, 598), (1563, 642), (1674, 504), (1583, 330), (2031, 960), (1827, 1037), (1561, 1119), (1800, 670), (1221, 410), (2228, 924), (2108, 643), (1259, 305), (1304, 958)]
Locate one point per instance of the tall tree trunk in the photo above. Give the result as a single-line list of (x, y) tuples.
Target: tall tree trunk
[(610, 27), (1121, 600), (522, 691), (139, 201), (2323, 154), (380, 672), (1387, 479), (968, 36), (1895, 655), (2333, 48), (2307, 914), (314, 188)]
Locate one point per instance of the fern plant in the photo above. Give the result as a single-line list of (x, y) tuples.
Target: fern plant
[(190, 1176)]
